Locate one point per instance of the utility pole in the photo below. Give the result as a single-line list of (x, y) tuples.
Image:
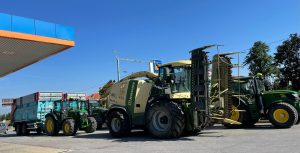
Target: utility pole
[(118, 68), (118, 60)]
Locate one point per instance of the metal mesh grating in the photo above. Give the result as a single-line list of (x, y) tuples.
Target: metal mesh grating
[(16, 54)]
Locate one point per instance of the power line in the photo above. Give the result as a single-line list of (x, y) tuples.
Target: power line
[(270, 43)]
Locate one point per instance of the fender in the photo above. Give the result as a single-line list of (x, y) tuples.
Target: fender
[(279, 101), (52, 115), (153, 100)]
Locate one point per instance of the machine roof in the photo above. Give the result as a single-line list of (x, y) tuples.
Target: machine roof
[(25, 41), (178, 63)]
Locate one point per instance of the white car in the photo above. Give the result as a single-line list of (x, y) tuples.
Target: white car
[(3, 128)]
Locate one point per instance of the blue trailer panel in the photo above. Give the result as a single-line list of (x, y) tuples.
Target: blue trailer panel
[(29, 111)]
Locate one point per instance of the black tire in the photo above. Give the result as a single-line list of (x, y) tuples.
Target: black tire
[(18, 129), (69, 127), (93, 125), (99, 123), (54, 128), (39, 131), (165, 120), (282, 115), (24, 129), (298, 121), (118, 123)]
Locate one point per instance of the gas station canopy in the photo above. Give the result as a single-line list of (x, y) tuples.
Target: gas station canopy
[(25, 41)]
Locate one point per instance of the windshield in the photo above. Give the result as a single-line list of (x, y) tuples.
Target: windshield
[(95, 104), (178, 77), (243, 86), (182, 79), (74, 105)]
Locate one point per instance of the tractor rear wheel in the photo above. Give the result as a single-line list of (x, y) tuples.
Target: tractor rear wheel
[(165, 120), (93, 125), (24, 129), (18, 129), (68, 127), (283, 115), (118, 123), (51, 128)]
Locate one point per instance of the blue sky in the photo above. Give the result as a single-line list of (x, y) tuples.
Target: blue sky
[(141, 29)]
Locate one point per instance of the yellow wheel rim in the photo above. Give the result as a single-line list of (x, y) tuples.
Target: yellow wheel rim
[(49, 125), (235, 114), (67, 128), (281, 115)]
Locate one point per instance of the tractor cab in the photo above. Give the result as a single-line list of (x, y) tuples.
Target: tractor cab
[(248, 85), (71, 105), (175, 77)]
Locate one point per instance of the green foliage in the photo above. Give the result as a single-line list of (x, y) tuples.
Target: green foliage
[(260, 61), (5, 117), (288, 59)]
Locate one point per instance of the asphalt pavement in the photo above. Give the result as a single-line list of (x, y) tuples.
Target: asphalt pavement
[(263, 138)]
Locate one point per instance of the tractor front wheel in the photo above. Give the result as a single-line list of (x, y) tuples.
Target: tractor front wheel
[(118, 123), (51, 128), (92, 125), (283, 115), (165, 120), (69, 128)]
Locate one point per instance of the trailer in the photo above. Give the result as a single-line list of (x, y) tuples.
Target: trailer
[(28, 112)]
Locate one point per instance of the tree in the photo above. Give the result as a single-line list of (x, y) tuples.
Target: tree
[(259, 60), (288, 59)]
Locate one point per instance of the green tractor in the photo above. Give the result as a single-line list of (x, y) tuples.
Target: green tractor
[(167, 105), (69, 116), (252, 102), (245, 100), (98, 112)]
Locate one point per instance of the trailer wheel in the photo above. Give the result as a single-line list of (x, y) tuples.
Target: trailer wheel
[(93, 125), (118, 123), (24, 129), (165, 120), (283, 115), (51, 128), (18, 128), (69, 127)]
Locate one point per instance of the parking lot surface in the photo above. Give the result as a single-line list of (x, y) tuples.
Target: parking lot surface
[(263, 138)]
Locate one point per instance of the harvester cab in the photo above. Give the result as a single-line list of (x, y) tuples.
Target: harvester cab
[(69, 116)]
